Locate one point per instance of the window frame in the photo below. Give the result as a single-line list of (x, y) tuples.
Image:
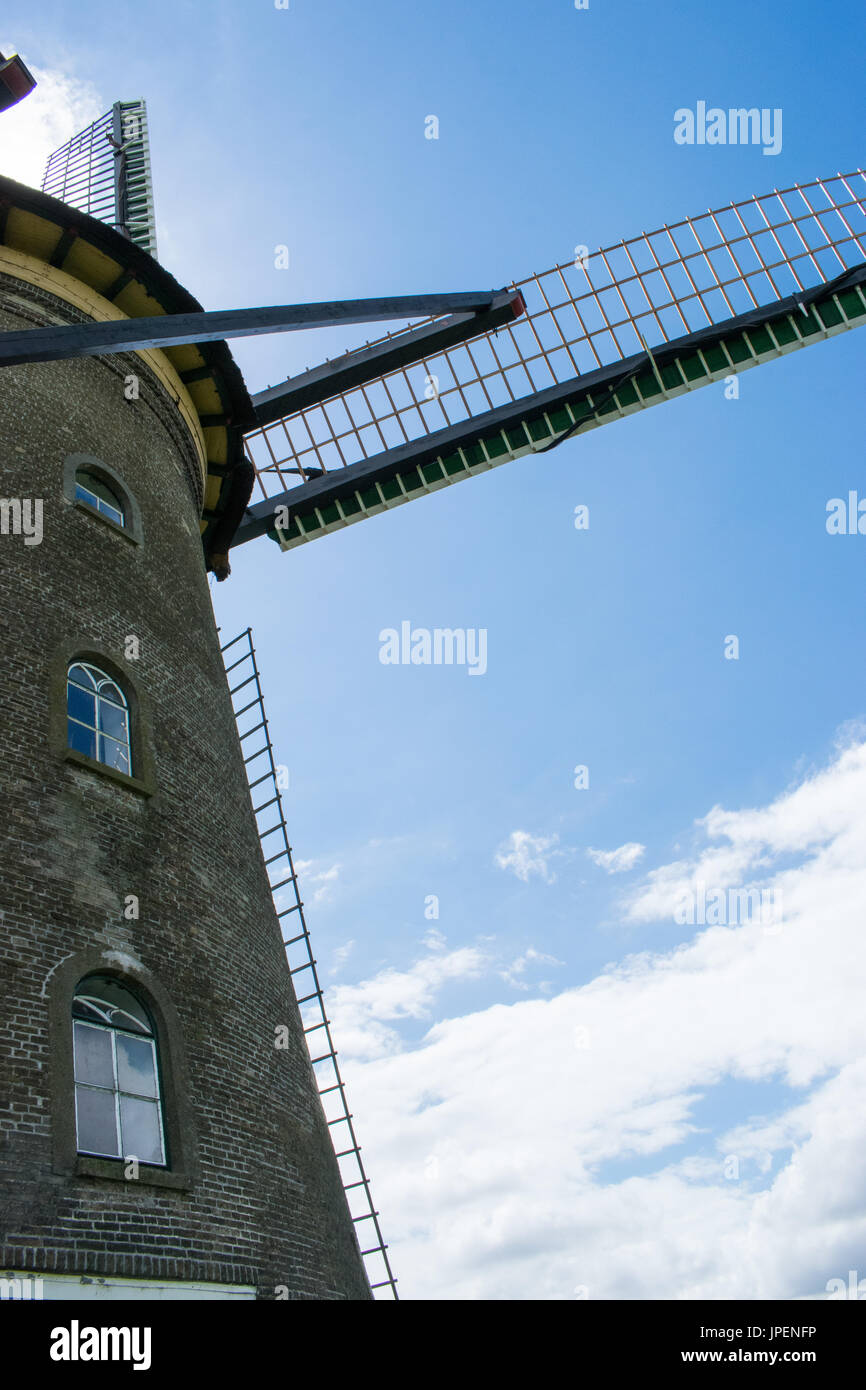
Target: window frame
[(99, 734), (88, 483), (73, 464), (180, 1138), (116, 1030), (68, 654)]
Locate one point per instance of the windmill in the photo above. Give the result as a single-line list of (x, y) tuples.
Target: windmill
[(494, 375), (477, 379), (631, 325)]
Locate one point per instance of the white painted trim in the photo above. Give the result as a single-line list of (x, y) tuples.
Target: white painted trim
[(106, 1288)]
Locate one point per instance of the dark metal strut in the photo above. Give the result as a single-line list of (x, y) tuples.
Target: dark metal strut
[(169, 330)]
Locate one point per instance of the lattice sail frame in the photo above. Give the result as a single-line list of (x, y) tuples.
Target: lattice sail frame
[(648, 291), (104, 171)]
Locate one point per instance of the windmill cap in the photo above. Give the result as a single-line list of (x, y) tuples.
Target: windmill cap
[(16, 80), (104, 274)]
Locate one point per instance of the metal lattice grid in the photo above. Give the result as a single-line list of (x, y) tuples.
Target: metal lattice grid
[(640, 293), (104, 171), (81, 172), (245, 688)]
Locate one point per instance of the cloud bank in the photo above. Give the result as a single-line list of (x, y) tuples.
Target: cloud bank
[(58, 108), (557, 1148), (617, 861)]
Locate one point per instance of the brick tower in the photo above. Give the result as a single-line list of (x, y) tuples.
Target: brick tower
[(157, 1142)]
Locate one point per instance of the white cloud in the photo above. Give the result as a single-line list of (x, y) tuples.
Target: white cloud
[(814, 814), (616, 861), (366, 1009), (320, 881), (514, 974), (341, 955), (58, 108), (509, 1183), (525, 854)]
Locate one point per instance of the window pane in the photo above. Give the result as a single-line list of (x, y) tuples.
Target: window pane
[(103, 491), (108, 510), (109, 691), (83, 495), (135, 1068), (81, 705), (96, 1121), (114, 999), (84, 740), (114, 754), (139, 1122), (112, 720), (85, 1008), (79, 675), (96, 492), (93, 1061)]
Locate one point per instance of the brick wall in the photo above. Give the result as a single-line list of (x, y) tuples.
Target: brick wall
[(263, 1202)]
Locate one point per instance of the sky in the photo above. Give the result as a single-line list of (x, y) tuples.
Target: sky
[(566, 1085)]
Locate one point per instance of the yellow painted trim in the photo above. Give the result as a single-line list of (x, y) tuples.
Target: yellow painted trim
[(36, 272)]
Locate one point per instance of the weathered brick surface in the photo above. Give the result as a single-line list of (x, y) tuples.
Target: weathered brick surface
[(265, 1204)]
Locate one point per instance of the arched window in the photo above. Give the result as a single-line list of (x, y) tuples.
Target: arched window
[(92, 486), (97, 717), (97, 494), (118, 1106)]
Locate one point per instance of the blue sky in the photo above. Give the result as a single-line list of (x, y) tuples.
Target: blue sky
[(500, 1167)]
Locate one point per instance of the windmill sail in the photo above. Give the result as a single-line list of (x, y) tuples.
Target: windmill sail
[(610, 333), (105, 172)]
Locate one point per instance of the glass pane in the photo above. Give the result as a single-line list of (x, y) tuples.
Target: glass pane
[(96, 1121), (82, 494), (113, 754), (79, 675), (81, 705), (115, 999), (89, 1008), (139, 1122), (93, 1061), (90, 483), (135, 1066), (107, 510), (109, 691), (112, 720), (103, 492), (83, 740)]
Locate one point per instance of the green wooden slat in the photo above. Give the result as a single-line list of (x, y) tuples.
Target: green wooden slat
[(699, 366)]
